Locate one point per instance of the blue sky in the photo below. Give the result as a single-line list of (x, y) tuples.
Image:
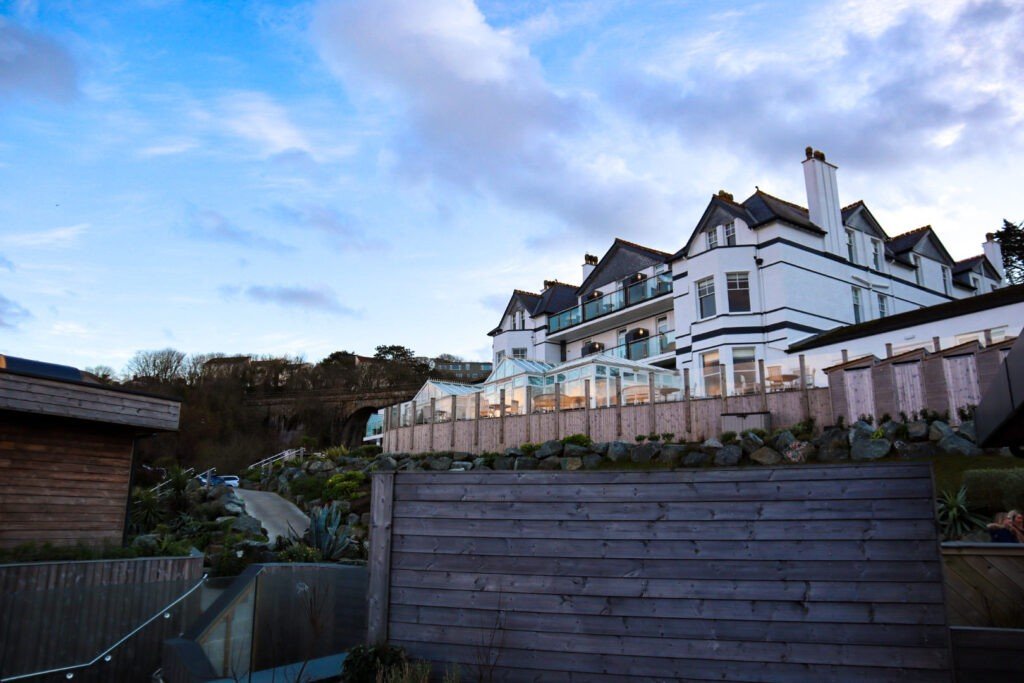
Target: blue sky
[(290, 177)]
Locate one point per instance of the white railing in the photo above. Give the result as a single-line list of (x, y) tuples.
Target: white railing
[(159, 487), (289, 454)]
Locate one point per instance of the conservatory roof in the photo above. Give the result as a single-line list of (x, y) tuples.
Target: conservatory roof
[(446, 388), (510, 367)]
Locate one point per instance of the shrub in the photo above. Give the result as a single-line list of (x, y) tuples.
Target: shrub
[(886, 417), (668, 437), (369, 450), (335, 452), (344, 486), (759, 433), (966, 413), (299, 552), (529, 448), (903, 417), (728, 437), (640, 438), (995, 490), (310, 488), (955, 516), (654, 437), (363, 663), (327, 532), (146, 510), (878, 434), (578, 440)]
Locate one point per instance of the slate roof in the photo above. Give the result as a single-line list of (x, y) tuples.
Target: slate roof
[(900, 244), (558, 297), (951, 309)]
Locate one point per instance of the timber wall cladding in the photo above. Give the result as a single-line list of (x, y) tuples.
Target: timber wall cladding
[(812, 573), (62, 481)]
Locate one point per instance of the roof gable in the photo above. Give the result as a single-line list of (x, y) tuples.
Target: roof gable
[(528, 301), (719, 210), (857, 215), (557, 296), (622, 258)]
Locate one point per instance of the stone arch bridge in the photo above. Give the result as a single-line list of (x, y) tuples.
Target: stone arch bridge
[(349, 411)]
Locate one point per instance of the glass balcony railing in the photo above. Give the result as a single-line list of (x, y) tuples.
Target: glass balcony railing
[(611, 302), (641, 349)]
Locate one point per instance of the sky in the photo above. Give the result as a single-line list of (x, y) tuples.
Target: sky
[(304, 177)]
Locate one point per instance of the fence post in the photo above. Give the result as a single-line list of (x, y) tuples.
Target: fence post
[(988, 337), (688, 398), (936, 344), (723, 388), (764, 385), (586, 406), (455, 405), (378, 599), (888, 350), (501, 426), (652, 417), (476, 421), (558, 410), (803, 387), (529, 414), (433, 413), (618, 406)]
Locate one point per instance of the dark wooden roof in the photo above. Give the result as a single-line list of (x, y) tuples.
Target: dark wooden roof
[(55, 391)]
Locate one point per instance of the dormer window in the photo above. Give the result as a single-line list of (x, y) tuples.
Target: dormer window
[(876, 254), (851, 245), (712, 237), (947, 281), (730, 235), (918, 269), (976, 283)]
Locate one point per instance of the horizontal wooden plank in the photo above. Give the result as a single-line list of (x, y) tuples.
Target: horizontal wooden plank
[(73, 394), (660, 668), (755, 491), (872, 472), (793, 570), (774, 610), (771, 631), (542, 640), (679, 511), (704, 589), (735, 551), (910, 529)]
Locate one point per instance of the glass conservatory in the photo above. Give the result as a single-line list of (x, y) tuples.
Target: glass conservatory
[(513, 375), (417, 411)]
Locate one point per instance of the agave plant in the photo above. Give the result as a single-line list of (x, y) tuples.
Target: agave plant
[(326, 532), (955, 516), (146, 511)]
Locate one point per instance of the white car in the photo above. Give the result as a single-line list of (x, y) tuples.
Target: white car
[(219, 480)]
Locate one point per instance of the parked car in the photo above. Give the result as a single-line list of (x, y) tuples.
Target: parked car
[(218, 480)]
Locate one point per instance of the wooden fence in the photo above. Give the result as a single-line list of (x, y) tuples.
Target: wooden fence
[(985, 584), (795, 573), (693, 420), (58, 614)]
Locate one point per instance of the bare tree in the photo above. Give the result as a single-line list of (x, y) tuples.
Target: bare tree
[(166, 365)]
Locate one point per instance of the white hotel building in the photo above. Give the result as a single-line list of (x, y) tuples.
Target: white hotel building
[(754, 278)]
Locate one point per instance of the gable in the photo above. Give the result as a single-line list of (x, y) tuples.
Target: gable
[(860, 218), (932, 248), (718, 212), (622, 259)]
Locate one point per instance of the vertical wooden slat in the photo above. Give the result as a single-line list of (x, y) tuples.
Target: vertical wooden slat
[(687, 399), (381, 510), (451, 436), (618, 406), (803, 387), (652, 421), (529, 413), (501, 427), (762, 380), (558, 410), (586, 406), (476, 420), (433, 413)]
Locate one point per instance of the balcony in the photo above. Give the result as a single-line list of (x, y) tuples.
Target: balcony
[(636, 293), (642, 349)]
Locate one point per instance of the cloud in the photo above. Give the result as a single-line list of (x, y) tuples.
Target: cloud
[(55, 238), (478, 112), (11, 314), (32, 64), (257, 118), (312, 298), (207, 224), (6, 263), (883, 87), (169, 148), (340, 227)]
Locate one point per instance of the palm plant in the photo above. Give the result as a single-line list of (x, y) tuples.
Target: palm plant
[(146, 511), (955, 516)]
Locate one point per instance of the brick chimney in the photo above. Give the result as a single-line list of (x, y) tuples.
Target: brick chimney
[(823, 199)]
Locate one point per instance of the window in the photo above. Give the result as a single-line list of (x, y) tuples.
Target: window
[(857, 314), (947, 281), (851, 245), (976, 283), (662, 324), (519, 353), (744, 370), (918, 269), (620, 338), (730, 234), (712, 236), (883, 305), (876, 254), (706, 298), (498, 357), (738, 288), (712, 373)]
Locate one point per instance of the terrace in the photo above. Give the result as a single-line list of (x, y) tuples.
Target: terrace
[(641, 289)]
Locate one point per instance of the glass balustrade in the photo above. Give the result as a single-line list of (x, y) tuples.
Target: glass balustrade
[(642, 349), (611, 302)]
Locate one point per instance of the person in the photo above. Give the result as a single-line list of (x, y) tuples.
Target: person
[(1007, 528)]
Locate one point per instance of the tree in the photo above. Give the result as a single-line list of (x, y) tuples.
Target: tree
[(166, 365), (449, 358), (396, 354), (1011, 241), (340, 358), (104, 373)]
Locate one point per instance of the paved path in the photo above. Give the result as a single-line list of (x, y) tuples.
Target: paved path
[(274, 512)]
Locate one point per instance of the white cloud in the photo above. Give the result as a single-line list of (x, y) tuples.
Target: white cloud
[(169, 148), (55, 238), (258, 119)]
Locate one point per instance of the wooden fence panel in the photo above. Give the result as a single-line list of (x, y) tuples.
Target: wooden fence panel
[(987, 655), (58, 614), (985, 583), (734, 574)]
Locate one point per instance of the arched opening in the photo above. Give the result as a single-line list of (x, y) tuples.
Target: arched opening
[(354, 428)]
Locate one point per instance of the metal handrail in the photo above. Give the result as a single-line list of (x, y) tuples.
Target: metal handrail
[(105, 655), (283, 455), (165, 482)]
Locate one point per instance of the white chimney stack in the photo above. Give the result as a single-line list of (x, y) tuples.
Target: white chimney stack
[(589, 263), (994, 253), (823, 199)]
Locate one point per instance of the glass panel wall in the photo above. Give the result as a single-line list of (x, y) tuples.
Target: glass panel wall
[(613, 301)]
